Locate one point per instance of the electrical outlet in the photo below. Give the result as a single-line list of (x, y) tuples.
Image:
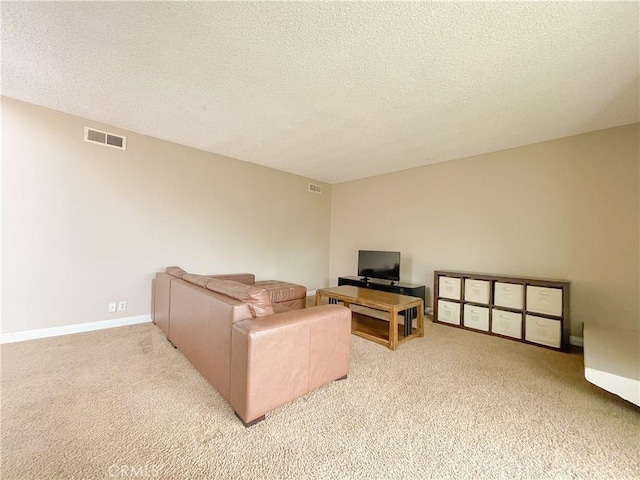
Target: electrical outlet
[(122, 306), (112, 307)]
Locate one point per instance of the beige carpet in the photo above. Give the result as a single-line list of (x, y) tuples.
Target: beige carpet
[(122, 403)]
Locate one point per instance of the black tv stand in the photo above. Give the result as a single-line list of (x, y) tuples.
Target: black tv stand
[(409, 289)]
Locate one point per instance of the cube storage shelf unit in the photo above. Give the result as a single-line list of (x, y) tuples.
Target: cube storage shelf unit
[(527, 309)]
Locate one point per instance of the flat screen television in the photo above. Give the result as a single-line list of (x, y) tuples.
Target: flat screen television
[(375, 264)]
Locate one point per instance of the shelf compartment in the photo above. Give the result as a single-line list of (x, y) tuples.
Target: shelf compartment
[(449, 287), (543, 331), (508, 295), (476, 291), (476, 317), (449, 312), (544, 300), (506, 323)]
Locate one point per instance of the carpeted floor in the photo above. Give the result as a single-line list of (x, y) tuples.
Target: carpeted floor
[(122, 403)]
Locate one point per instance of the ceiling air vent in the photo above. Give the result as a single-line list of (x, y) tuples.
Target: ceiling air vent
[(315, 188), (107, 139)]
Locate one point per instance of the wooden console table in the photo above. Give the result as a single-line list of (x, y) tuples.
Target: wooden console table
[(376, 330)]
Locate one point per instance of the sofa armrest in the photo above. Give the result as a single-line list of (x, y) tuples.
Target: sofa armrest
[(161, 298), (246, 278), (278, 358)]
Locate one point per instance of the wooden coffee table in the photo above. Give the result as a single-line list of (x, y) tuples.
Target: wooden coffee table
[(380, 331)]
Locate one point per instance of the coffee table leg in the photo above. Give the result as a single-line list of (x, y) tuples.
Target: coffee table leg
[(405, 315), (408, 321), (393, 330)]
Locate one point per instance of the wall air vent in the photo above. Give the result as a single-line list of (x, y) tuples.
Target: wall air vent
[(107, 139), (315, 188)]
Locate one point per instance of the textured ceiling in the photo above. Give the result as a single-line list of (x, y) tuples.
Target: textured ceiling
[(332, 91)]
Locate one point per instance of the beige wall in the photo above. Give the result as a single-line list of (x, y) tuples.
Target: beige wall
[(567, 209), (84, 225)]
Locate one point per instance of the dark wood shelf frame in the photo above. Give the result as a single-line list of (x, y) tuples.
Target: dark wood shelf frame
[(564, 285)]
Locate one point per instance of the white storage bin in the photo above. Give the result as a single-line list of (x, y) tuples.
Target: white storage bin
[(449, 287), (506, 323), (449, 312), (508, 295), (544, 300), (476, 291), (544, 331), (476, 317)]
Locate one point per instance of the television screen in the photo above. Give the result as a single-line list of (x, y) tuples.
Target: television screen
[(384, 265)]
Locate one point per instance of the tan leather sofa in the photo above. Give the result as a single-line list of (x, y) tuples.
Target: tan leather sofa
[(258, 354), (280, 293)]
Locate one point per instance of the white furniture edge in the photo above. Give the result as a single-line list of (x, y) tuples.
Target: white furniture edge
[(624, 387), (576, 341), (612, 360), (69, 329)]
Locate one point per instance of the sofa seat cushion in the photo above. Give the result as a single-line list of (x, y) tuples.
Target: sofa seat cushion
[(280, 291), (256, 298), (280, 308)]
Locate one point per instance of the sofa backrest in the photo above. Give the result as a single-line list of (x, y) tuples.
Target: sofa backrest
[(175, 271), (199, 280), (246, 278), (200, 327), (202, 312), (256, 298)]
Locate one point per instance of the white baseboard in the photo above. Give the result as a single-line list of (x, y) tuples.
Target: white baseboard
[(312, 293), (69, 329)]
